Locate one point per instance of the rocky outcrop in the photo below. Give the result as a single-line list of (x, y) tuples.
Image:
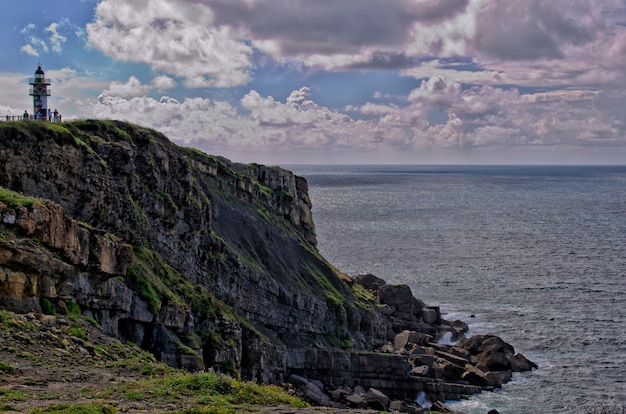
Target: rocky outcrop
[(210, 264), (46, 253)]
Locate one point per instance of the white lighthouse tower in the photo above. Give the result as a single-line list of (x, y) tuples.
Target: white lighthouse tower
[(40, 92)]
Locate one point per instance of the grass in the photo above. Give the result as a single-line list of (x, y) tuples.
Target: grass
[(13, 395), (6, 368), (205, 389), (12, 198), (90, 408), (77, 331)]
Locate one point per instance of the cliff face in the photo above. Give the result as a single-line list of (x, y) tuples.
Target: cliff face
[(204, 262), (242, 232)]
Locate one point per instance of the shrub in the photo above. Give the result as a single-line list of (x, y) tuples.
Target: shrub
[(72, 308), (46, 306), (6, 368)]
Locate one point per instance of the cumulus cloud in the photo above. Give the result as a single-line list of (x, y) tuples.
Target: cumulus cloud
[(477, 118), (436, 91), (163, 83), (130, 88), (178, 38)]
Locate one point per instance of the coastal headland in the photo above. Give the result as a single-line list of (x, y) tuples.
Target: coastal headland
[(212, 266)]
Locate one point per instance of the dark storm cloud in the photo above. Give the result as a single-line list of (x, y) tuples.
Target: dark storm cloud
[(332, 27), (534, 29)]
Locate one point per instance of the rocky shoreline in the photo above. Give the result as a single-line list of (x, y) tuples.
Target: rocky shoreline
[(433, 372)]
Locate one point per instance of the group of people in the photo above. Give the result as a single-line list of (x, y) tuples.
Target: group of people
[(52, 116)]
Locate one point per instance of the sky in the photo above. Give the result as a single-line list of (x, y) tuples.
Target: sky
[(284, 82)]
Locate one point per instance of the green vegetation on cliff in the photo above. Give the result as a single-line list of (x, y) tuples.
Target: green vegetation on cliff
[(14, 198)]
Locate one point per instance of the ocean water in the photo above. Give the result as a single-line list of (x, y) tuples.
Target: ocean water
[(533, 254)]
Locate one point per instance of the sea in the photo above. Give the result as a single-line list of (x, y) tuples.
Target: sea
[(533, 254)]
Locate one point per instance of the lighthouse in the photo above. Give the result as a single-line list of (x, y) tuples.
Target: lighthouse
[(40, 92)]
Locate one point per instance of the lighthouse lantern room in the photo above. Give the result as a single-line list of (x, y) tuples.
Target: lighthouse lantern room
[(40, 92)]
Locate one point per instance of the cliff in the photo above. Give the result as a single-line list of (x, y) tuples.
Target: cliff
[(203, 262)]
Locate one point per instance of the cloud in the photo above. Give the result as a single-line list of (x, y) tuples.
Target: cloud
[(458, 74), (536, 29), (163, 83), (332, 34), (436, 92), (479, 120), (177, 38), (14, 98), (133, 87), (30, 50), (322, 27), (520, 74), (447, 37), (56, 40), (37, 44)]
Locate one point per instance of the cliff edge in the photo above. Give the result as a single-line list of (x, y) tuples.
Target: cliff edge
[(212, 264)]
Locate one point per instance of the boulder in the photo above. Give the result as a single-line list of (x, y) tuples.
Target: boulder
[(425, 359), (450, 370), (376, 400), (472, 343), (388, 348), (464, 353), (474, 376), (340, 394), (495, 343), (421, 371), (385, 310), (524, 364), (493, 360), (297, 380), (401, 299), (315, 396), (369, 281), (403, 339), (459, 326), (455, 359), (397, 406), (356, 400), (431, 315), (406, 337)]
